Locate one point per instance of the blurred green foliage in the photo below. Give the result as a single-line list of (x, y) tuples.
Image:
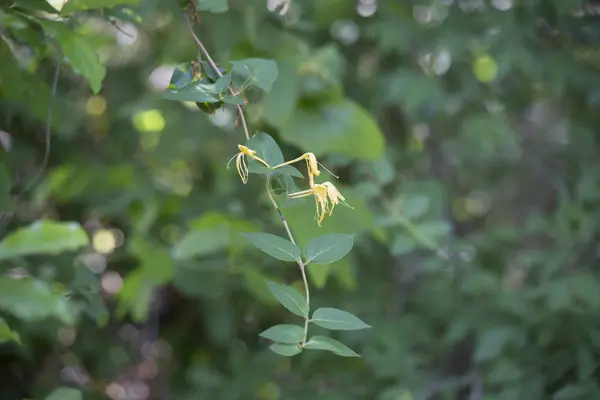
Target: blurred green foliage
[(463, 133)]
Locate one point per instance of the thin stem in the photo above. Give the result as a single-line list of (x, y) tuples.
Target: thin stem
[(301, 264), (215, 68)]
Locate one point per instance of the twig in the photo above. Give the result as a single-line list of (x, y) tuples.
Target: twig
[(215, 68), (48, 135), (240, 111)]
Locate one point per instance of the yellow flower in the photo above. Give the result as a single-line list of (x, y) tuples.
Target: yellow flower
[(311, 164), (326, 198), (241, 164)]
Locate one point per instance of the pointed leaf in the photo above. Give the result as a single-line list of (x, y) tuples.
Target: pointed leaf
[(289, 298), (328, 248), (254, 72), (287, 350), (275, 246), (284, 333), (79, 52), (266, 148), (329, 344), (43, 237), (332, 318)]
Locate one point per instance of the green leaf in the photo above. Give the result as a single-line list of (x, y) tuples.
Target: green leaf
[(342, 127), (198, 243), (415, 206), (124, 14), (266, 148), (78, 52), (213, 6), (328, 248), (41, 5), (155, 261), (6, 334), (33, 300), (43, 237), (196, 91), (279, 104), (81, 5), (284, 333), (287, 350), (289, 298), (254, 72), (7, 203), (275, 246), (403, 244), (222, 84), (332, 318), (135, 296), (329, 344), (233, 100), (65, 393), (491, 342)]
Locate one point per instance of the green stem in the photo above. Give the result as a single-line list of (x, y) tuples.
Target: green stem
[(301, 264)]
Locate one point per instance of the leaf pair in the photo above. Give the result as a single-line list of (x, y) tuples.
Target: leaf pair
[(324, 249)]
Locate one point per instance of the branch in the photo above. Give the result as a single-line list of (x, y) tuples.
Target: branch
[(215, 68), (240, 111)]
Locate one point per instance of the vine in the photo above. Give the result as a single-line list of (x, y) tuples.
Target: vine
[(211, 88)]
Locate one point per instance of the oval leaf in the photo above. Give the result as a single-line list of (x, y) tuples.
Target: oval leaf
[(275, 246), (328, 248), (332, 318), (287, 350), (329, 344), (284, 333), (44, 237), (289, 298), (254, 72)]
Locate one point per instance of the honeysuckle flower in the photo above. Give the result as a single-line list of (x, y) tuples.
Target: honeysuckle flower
[(241, 164), (311, 164), (326, 198)]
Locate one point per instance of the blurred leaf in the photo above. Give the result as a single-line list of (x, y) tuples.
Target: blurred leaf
[(275, 246), (322, 71), (287, 350), (491, 343), (284, 333), (33, 300), (328, 248), (65, 393), (332, 318), (43, 237), (198, 243), (135, 296), (155, 261), (6, 334), (403, 244), (41, 5), (254, 72), (415, 206), (342, 127), (123, 14), (280, 103), (329, 344), (213, 6), (196, 91), (78, 52), (319, 274), (289, 298), (7, 203), (81, 5)]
